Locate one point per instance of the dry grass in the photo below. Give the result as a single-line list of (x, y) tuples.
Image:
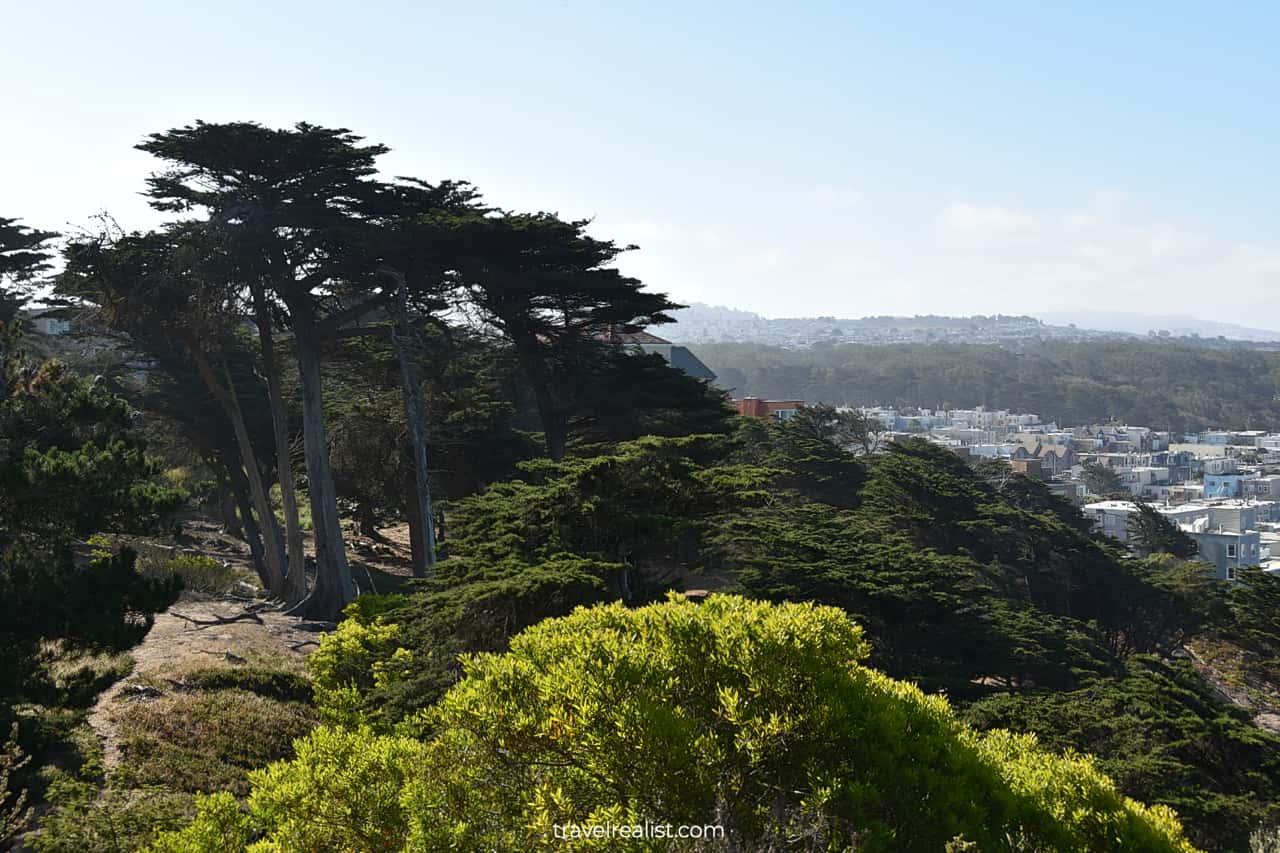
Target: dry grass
[(207, 741)]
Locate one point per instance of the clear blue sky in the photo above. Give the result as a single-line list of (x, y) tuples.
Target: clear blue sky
[(791, 159)]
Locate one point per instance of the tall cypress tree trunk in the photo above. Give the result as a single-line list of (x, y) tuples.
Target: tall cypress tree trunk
[(272, 546), (334, 588), (552, 427), (227, 506), (295, 578), (249, 533), (425, 557), (527, 352), (413, 514), (253, 536)]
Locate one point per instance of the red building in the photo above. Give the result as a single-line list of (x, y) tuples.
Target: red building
[(754, 407)]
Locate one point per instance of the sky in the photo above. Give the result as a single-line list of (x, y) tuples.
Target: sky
[(792, 159)]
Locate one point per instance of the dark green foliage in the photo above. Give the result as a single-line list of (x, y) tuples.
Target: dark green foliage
[(1167, 385), (1165, 602), (468, 386), (24, 254), (105, 605), (1102, 480), (1007, 594), (1250, 630), (476, 409), (849, 430), (208, 161), (71, 463), (621, 396), (1013, 588), (1161, 734), (1152, 533), (551, 289), (1255, 608)]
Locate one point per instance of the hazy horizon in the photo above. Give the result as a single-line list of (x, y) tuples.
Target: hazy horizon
[(1121, 321)]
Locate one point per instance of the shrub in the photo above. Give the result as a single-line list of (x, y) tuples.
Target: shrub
[(115, 820), (101, 546), (758, 718), (198, 572), (186, 481), (353, 660), (395, 654), (222, 827)]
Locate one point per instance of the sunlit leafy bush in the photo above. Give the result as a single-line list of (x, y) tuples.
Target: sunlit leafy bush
[(755, 717)]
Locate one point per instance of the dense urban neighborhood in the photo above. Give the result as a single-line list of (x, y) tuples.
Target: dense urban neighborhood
[(1221, 488)]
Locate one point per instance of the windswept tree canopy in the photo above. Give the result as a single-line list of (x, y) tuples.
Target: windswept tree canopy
[(538, 277), (24, 255)]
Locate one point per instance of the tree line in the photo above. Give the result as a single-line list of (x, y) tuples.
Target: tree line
[(1161, 384)]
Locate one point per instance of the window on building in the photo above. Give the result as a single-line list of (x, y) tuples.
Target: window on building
[(1231, 573), (1231, 550)]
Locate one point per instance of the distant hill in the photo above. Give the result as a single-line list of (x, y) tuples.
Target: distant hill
[(701, 323), (1168, 384), (1177, 325)]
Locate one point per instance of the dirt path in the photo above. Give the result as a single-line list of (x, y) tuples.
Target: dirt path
[(199, 633)]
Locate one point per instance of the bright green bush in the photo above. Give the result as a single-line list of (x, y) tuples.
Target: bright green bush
[(342, 792), (395, 655), (755, 717), (352, 661), (222, 827)]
